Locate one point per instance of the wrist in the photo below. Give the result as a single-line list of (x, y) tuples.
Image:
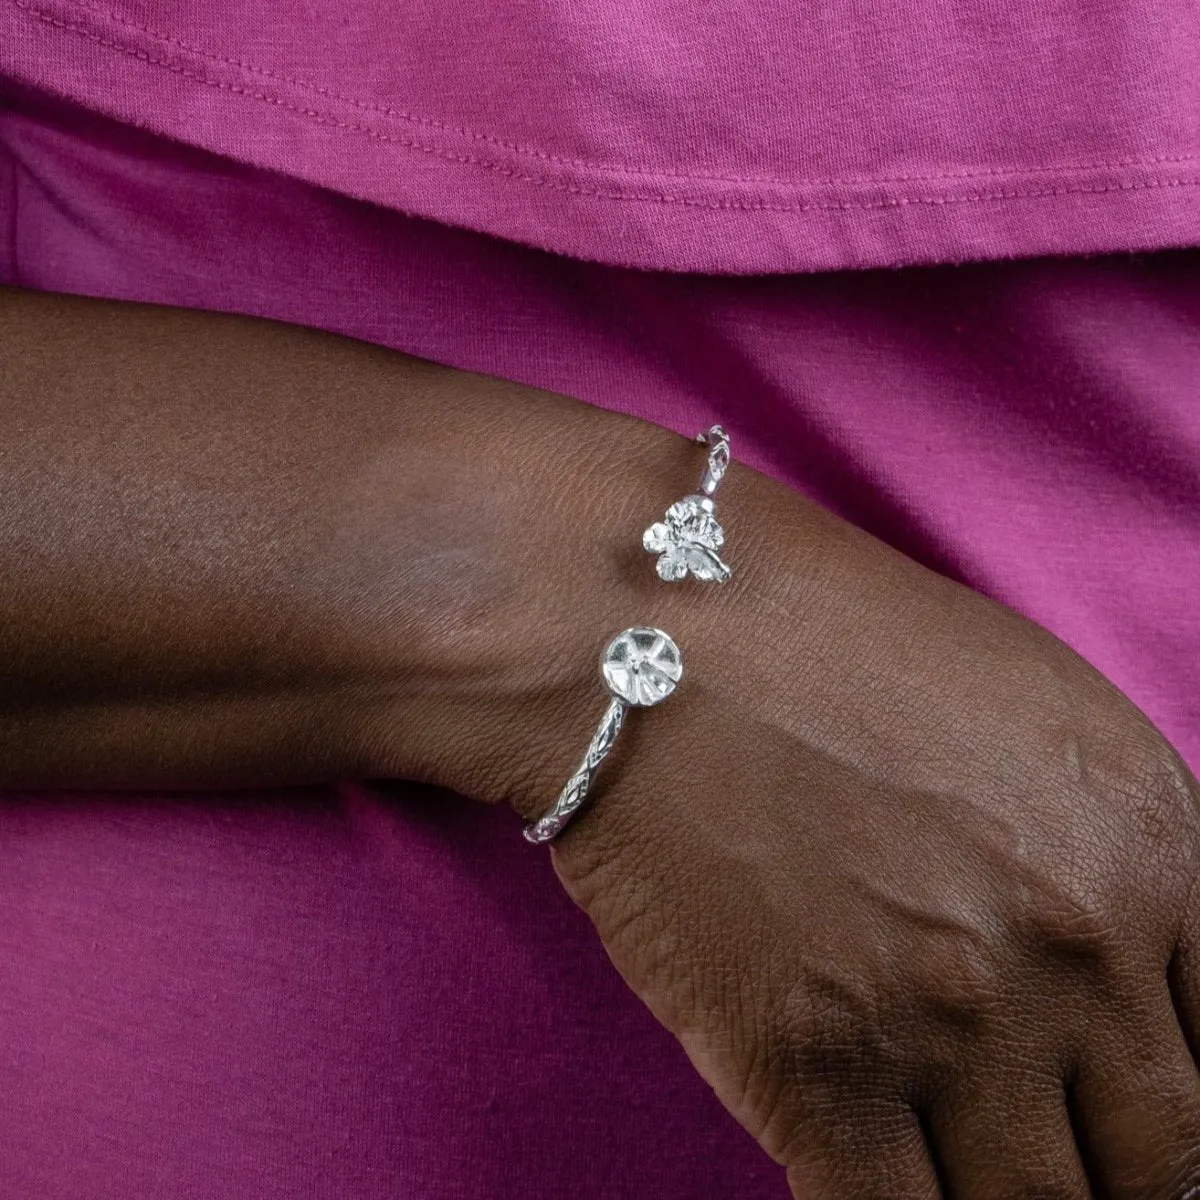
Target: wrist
[(542, 562)]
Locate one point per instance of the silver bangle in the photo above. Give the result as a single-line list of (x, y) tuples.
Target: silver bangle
[(642, 665)]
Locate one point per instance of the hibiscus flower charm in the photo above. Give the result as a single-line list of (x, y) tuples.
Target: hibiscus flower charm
[(687, 541)]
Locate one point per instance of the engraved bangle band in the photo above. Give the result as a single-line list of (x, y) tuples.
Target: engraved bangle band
[(642, 665)]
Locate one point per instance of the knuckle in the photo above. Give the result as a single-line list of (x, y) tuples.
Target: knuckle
[(827, 1026), (960, 986), (1070, 920), (1167, 804), (1157, 791), (1181, 787)]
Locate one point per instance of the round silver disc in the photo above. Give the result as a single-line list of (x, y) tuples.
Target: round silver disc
[(642, 666)]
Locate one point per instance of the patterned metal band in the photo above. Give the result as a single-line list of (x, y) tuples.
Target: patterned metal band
[(718, 458), (571, 798), (642, 665)]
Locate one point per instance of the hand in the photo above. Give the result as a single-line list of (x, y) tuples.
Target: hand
[(908, 879)]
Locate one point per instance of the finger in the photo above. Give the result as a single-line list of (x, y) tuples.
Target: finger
[(1136, 1106), (874, 1150), (1008, 1136), (838, 1137)]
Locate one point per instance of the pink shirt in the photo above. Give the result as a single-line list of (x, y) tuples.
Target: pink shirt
[(329, 992)]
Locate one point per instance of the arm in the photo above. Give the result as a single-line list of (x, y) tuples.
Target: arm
[(909, 880), (236, 551)]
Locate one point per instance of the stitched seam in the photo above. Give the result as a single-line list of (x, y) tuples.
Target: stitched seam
[(561, 160), (573, 189)]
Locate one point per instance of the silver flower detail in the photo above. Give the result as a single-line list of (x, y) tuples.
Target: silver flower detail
[(688, 540), (642, 666)]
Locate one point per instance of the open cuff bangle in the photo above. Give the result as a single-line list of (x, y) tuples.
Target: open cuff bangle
[(642, 665)]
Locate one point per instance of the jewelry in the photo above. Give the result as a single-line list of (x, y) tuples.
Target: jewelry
[(689, 538), (642, 665)]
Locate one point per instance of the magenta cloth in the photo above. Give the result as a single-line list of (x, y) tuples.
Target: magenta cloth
[(732, 137), (331, 992)]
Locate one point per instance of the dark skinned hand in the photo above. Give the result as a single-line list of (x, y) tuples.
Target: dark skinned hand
[(907, 878)]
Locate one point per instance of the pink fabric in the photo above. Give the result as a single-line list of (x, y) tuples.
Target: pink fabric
[(326, 993), (737, 137)]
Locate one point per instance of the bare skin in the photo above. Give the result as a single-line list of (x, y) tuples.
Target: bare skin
[(910, 881)]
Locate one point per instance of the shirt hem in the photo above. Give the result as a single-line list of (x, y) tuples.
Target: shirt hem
[(622, 216)]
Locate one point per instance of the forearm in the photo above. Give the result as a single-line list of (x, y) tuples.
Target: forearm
[(235, 551)]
